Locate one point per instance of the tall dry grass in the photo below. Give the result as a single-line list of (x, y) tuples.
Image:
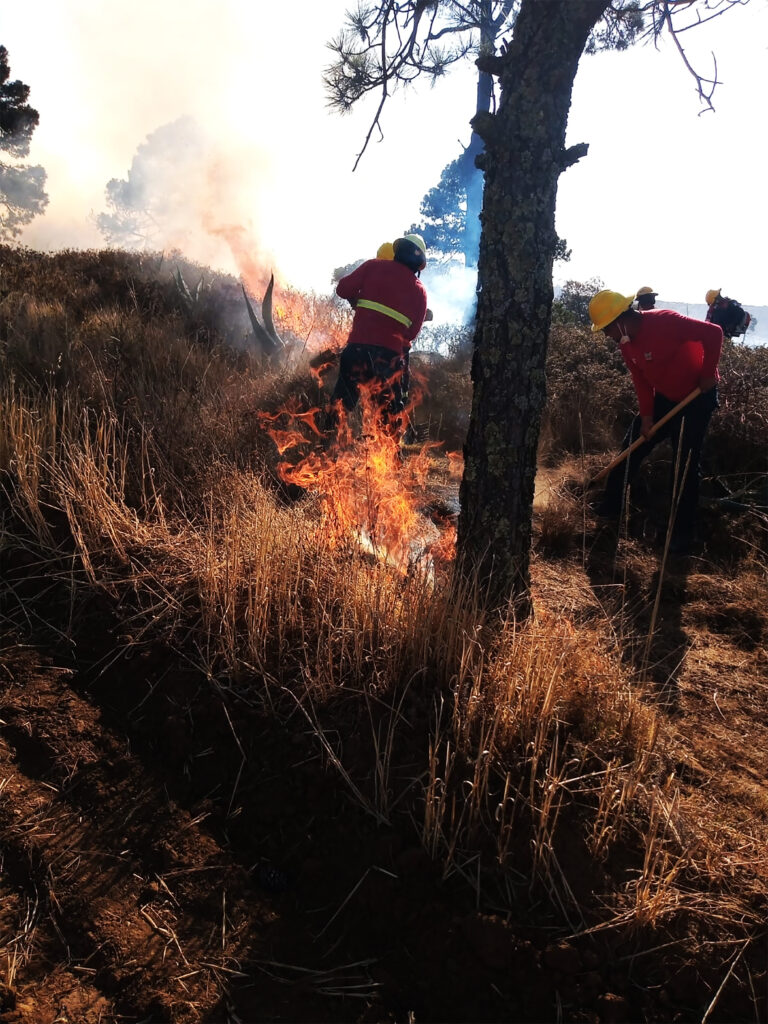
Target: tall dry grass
[(130, 462)]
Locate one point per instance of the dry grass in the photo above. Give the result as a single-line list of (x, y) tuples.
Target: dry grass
[(130, 462)]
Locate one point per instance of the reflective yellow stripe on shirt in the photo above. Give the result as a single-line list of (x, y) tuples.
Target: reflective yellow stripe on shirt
[(386, 310)]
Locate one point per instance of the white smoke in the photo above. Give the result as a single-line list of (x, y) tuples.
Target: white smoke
[(451, 292), (183, 192)]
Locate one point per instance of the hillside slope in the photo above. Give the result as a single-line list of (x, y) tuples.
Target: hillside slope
[(255, 768)]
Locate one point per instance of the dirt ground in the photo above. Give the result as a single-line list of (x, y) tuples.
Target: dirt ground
[(174, 852)]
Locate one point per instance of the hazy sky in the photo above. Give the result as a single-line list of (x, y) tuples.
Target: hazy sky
[(666, 197)]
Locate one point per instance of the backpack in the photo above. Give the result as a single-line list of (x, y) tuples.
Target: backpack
[(730, 315)]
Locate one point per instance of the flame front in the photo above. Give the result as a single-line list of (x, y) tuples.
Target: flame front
[(371, 495)]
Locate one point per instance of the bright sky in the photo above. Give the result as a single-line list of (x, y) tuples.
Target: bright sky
[(666, 197)]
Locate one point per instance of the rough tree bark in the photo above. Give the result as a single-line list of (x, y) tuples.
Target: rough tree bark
[(524, 157)]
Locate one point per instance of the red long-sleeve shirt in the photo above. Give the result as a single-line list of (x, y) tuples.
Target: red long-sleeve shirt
[(669, 354), (390, 284)]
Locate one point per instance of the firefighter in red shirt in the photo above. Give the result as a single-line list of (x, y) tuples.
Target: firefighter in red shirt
[(668, 356), (390, 304)]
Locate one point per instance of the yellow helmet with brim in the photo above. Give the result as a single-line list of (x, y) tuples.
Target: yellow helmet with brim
[(606, 306)]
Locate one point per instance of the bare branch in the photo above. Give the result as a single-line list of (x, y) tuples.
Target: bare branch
[(573, 153), (503, 17), (384, 91), (705, 87), (491, 63), (374, 124), (388, 45)]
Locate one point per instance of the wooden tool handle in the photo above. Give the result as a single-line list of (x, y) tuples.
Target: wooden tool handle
[(641, 440)]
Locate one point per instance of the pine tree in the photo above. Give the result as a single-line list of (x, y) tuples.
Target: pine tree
[(22, 186), (386, 46)]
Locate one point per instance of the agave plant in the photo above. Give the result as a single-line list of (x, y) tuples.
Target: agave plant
[(190, 299), (270, 342)]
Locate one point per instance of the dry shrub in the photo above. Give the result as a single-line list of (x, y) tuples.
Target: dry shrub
[(445, 399), (589, 393), (737, 441), (543, 721), (559, 507), (536, 735)]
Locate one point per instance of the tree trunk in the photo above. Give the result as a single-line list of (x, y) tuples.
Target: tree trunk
[(475, 148), (524, 156)]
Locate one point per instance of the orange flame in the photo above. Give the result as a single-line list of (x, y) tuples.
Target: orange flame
[(455, 464), (371, 495)]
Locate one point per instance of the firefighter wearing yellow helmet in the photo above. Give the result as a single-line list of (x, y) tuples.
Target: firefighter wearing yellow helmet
[(668, 356), (646, 297), (390, 304)]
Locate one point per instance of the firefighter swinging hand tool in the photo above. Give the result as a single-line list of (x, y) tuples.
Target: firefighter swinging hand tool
[(642, 439)]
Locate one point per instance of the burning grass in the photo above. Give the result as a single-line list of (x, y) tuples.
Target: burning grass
[(531, 759)]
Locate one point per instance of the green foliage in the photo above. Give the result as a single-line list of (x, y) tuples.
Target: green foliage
[(369, 50), (572, 305), (444, 210), (17, 119), (22, 186)]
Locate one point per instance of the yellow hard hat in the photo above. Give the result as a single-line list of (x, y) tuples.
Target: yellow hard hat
[(712, 294), (606, 306), (386, 251), (645, 290)]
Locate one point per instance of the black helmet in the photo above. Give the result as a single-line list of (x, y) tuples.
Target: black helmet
[(411, 251)]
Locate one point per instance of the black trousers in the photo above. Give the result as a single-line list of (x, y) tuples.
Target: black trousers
[(377, 366), (693, 420)]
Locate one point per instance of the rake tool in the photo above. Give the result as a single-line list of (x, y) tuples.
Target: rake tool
[(642, 439)]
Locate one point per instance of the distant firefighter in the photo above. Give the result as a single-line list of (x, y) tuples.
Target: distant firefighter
[(646, 297), (726, 313)]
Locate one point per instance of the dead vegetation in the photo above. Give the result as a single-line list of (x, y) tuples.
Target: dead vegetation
[(546, 769)]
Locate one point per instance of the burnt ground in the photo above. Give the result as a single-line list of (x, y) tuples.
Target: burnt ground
[(175, 851)]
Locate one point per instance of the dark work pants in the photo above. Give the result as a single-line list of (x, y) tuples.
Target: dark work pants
[(372, 364), (694, 419)]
